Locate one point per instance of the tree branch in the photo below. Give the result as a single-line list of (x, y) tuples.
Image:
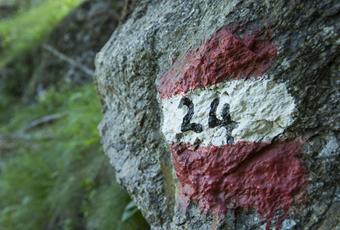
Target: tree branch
[(69, 60)]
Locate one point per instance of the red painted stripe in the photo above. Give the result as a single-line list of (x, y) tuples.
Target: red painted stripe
[(224, 56), (244, 175)]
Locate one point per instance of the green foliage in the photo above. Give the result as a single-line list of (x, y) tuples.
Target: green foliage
[(28, 28), (53, 174), (21, 4), (57, 177), (106, 200)]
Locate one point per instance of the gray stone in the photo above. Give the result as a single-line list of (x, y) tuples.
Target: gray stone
[(128, 67)]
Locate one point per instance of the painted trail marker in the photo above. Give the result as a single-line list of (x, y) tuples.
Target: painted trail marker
[(221, 114)]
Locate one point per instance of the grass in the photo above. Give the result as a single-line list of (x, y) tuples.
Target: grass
[(57, 177), (28, 28)]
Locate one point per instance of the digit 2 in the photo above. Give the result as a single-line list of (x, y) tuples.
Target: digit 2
[(186, 125)]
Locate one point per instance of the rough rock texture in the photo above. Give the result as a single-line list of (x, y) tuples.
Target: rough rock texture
[(241, 176), (158, 33), (232, 57)]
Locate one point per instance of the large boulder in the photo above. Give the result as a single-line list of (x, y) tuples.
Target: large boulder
[(224, 114)]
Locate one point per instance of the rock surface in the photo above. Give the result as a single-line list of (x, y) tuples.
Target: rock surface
[(129, 70)]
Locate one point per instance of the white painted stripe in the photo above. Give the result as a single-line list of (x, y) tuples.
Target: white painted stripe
[(261, 108)]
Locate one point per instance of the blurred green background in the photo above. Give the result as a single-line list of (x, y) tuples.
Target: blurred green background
[(53, 173)]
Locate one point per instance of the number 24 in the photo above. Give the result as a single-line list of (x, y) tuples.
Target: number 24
[(213, 121)]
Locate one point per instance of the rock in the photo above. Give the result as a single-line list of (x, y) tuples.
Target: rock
[(265, 153)]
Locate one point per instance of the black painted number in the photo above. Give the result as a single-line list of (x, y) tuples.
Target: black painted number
[(226, 121), (186, 125), (213, 121)]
